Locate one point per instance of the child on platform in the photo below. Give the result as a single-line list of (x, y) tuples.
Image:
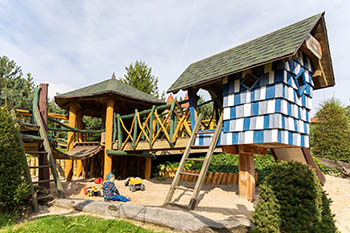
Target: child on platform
[(110, 192)]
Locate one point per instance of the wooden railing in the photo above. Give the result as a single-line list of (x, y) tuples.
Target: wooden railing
[(166, 122)]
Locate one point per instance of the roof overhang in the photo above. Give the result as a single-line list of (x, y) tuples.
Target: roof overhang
[(319, 31)]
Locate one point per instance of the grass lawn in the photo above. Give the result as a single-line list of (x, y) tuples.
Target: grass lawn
[(6, 220), (70, 224)]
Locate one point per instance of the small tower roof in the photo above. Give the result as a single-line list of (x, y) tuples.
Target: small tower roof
[(127, 97)]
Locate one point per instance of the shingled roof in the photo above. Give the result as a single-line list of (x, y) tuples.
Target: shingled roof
[(110, 86), (274, 46)]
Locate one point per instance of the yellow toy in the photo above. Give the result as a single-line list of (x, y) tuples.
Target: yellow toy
[(135, 183)]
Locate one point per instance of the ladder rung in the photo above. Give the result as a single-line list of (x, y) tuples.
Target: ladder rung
[(199, 147), (41, 166), (42, 181), (190, 174), (183, 188), (194, 159), (36, 152)]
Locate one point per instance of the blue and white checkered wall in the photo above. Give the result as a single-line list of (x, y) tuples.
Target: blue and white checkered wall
[(272, 111)]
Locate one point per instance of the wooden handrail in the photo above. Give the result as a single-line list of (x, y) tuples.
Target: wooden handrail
[(52, 115)]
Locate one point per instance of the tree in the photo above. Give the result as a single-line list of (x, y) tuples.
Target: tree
[(14, 174), (291, 199), (54, 108), (16, 89), (347, 111), (139, 75), (206, 109), (330, 135)]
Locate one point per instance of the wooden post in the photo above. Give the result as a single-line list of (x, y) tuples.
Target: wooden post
[(71, 139), (193, 106), (44, 173), (120, 134), (246, 178), (79, 139), (148, 167), (135, 131), (109, 136)]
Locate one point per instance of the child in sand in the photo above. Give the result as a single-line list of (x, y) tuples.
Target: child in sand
[(110, 192)]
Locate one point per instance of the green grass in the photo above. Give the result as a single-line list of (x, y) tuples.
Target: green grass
[(75, 224), (6, 220)]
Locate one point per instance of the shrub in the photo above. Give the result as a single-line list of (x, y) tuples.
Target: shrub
[(14, 179), (330, 135), (291, 199)]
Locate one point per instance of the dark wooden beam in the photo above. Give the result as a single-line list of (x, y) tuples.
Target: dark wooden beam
[(44, 173)]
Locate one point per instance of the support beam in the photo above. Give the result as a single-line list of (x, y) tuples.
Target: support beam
[(71, 139), (148, 168), (44, 172), (109, 136), (246, 181), (79, 139), (248, 149), (193, 105)]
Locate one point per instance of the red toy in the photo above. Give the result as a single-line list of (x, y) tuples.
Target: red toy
[(98, 180)]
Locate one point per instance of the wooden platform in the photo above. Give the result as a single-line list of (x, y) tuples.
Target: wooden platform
[(162, 147)]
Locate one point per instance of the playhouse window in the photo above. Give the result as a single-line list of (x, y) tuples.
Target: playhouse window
[(300, 81), (249, 81)]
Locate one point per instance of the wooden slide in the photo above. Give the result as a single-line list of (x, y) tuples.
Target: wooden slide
[(81, 150), (301, 155)]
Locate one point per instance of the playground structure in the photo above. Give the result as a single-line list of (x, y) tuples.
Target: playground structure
[(261, 90)]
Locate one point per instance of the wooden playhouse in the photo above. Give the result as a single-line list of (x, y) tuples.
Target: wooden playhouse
[(263, 89)]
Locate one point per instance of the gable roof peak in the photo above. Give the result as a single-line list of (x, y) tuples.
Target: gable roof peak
[(279, 44), (113, 76)]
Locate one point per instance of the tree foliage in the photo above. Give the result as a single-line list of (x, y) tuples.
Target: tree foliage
[(16, 89), (330, 135), (291, 199), (207, 109), (54, 108), (139, 75), (14, 179)]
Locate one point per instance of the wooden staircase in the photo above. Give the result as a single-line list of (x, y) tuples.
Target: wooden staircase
[(34, 145), (205, 165), (36, 142)]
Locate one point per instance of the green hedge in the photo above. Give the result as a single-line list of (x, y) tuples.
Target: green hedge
[(14, 180), (291, 199)]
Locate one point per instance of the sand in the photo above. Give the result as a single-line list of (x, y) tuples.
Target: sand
[(338, 190), (217, 202)]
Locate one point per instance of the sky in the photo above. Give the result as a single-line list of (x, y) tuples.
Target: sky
[(72, 44)]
